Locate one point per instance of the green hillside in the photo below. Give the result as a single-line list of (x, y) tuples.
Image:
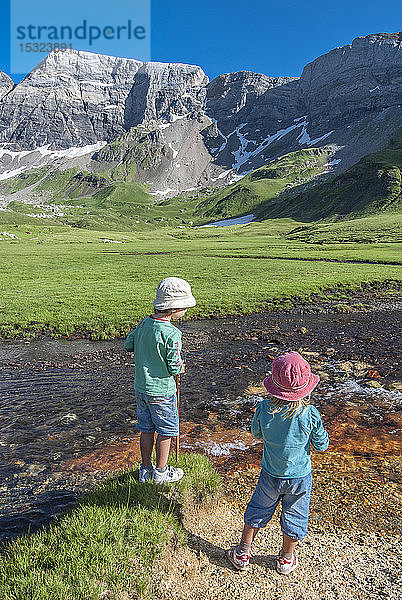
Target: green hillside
[(112, 199), (372, 186), (292, 186), (383, 228), (260, 188)]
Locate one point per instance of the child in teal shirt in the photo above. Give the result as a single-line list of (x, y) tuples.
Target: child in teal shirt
[(288, 426), (156, 343)]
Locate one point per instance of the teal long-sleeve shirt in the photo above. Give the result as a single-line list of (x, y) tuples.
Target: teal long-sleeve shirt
[(286, 452), (156, 345)]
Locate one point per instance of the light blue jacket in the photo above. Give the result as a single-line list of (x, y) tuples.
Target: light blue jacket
[(286, 451)]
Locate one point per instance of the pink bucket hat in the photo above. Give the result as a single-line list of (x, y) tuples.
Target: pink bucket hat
[(291, 378)]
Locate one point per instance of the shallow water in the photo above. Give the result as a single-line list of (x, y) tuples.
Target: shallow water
[(67, 412)]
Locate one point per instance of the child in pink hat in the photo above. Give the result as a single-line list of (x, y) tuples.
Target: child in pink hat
[(288, 426)]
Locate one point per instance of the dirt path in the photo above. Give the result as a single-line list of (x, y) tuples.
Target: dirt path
[(333, 565)]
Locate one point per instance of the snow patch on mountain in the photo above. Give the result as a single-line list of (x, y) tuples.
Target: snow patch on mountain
[(303, 137), (242, 156), (319, 139), (175, 152), (12, 173), (163, 192), (41, 156)]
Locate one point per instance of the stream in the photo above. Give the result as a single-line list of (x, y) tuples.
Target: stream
[(68, 418)]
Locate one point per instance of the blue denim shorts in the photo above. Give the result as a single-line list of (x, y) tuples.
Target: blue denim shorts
[(157, 413), (294, 494)]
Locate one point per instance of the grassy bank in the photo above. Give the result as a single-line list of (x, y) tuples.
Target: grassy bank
[(108, 543), (59, 281)]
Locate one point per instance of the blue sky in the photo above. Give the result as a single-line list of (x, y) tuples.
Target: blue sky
[(228, 35)]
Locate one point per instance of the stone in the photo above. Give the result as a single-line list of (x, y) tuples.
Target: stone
[(360, 368), (346, 366), (322, 374), (35, 469), (373, 383), (395, 385), (69, 418)]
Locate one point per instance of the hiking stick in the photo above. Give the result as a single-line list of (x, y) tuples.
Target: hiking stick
[(178, 412)]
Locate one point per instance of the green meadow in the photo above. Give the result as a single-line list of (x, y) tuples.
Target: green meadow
[(106, 546), (61, 281)]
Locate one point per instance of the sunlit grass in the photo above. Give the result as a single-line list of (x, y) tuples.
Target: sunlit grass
[(108, 543), (58, 281)]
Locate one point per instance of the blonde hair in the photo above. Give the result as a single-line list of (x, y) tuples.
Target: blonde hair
[(292, 407)]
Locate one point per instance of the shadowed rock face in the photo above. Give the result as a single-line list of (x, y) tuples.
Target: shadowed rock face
[(354, 81), (347, 98), (356, 87), (165, 91), (230, 97), (6, 84)]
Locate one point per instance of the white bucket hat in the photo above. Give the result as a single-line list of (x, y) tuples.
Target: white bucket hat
[(173, 292)]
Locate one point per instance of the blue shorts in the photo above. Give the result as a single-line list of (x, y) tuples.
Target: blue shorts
[(157, 413), (294, 494)]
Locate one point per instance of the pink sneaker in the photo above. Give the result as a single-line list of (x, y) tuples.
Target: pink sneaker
[(284, 566), (240, 561)]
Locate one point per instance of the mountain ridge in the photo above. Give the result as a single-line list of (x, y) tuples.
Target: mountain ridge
[(170, 128)]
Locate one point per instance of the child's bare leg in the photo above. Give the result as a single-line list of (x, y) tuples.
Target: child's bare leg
[(162, 450), (248, 534), (247, 537), (146, 448), (288, 546)]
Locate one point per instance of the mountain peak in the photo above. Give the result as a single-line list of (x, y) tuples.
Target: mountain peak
[(81, 65), (388, 38), (190, 131)]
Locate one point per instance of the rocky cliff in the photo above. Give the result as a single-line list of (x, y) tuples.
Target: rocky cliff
[(172, 128), (349, 97), (164, 92), (69, 99), (6, 84)]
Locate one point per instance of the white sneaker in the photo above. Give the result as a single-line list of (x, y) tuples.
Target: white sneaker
[(240, 561), (169, 475), (145, 473), (284, 566)]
